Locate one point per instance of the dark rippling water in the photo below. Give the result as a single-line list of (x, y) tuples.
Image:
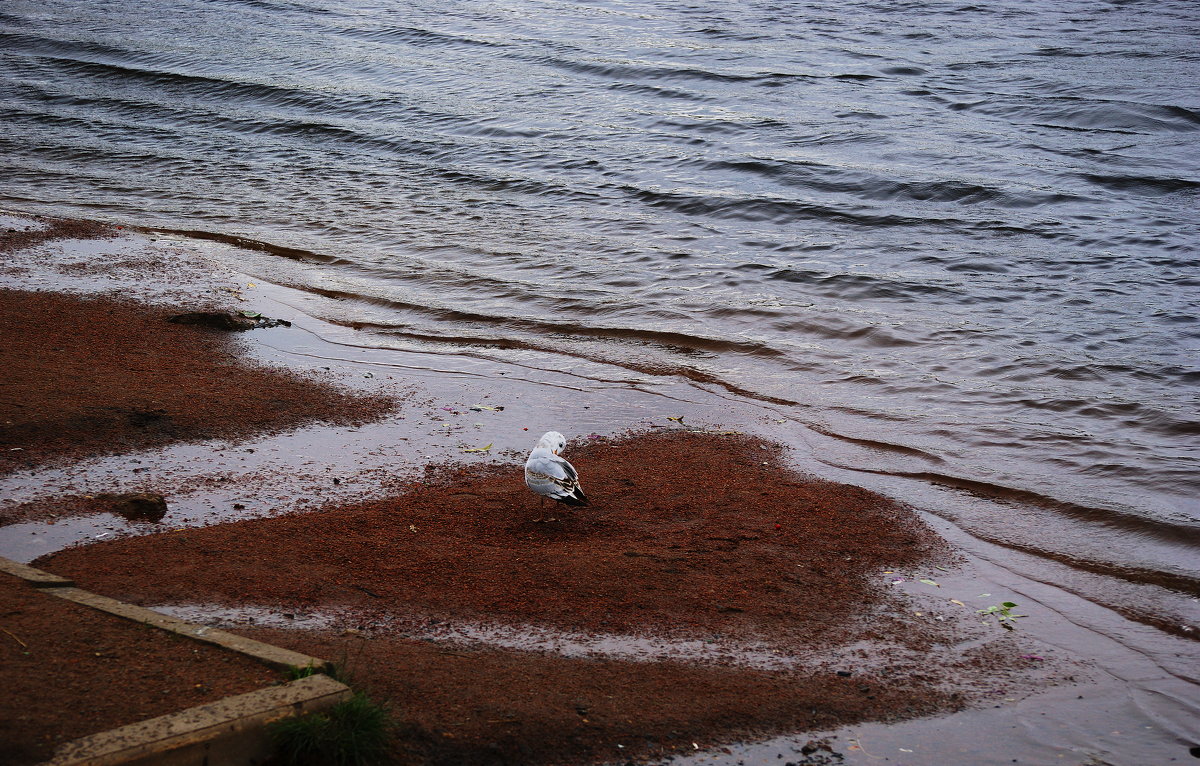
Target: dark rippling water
[(966, 232)]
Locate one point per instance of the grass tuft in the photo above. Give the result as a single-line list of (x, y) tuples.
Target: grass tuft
[(353, 733), (296, 672)]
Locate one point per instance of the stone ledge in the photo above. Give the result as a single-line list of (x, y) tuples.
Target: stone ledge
[(35, 577), (228, 731)]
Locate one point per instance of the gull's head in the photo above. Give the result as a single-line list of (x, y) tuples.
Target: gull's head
[(553, 441)]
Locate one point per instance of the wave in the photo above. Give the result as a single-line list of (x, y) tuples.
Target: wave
[(39, 44), (1149, 185), (631, 71), (1095, 115), (246, 243), (774, 210), (853, 286), (819, 177), (1165, 531), (144, 85), (417, 36)]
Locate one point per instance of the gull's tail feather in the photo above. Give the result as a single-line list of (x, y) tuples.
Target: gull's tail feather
[(576, 498)]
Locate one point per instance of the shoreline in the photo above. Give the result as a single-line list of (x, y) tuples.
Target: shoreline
[(392, 483)]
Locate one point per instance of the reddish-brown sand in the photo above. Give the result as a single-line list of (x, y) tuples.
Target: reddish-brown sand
[(68, 671), (690, 535), (82, 377), (687, 532)]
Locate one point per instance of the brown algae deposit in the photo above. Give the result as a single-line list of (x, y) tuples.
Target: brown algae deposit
[(693, 536)]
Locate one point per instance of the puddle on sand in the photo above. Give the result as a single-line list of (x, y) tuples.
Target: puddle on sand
[(25, 542), (13, 222)]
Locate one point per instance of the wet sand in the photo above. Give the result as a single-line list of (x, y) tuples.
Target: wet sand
[(696, 537), (444, 586), (88, 377), (690, 536)]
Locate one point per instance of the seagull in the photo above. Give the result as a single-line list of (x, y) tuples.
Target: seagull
[(549, 475)]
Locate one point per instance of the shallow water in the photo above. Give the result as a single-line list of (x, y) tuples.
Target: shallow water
[(947, 250)]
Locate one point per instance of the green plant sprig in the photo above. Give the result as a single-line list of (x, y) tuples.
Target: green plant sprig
[(1004, 614)]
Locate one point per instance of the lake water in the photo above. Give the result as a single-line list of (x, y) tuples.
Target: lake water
[(960, 240)]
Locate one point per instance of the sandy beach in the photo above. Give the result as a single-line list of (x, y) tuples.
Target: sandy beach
[(872, 329), (712, 594)]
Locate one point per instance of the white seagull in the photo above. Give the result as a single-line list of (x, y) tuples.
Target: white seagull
[(549, 475)]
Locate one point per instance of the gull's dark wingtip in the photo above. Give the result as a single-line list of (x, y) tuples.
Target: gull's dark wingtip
[(576, 498)]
